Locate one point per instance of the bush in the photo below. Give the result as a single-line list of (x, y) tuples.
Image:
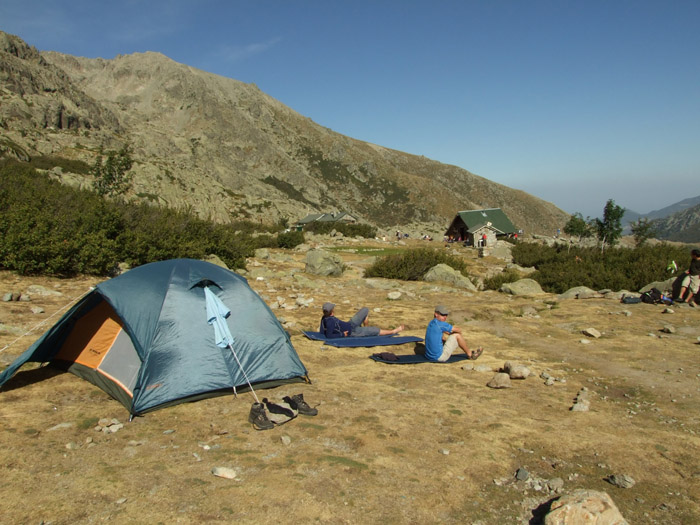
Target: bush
[(412, 265), (51, 229), (559, 269), (507, 276), (290, 239), (349, 230)]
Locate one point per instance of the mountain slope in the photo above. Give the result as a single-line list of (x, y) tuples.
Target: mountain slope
[(227, 150), (683, 226)]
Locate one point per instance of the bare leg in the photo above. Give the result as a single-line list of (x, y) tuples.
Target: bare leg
[(396, 330)]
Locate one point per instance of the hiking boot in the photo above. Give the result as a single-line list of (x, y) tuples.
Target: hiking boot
[(297, 403), (258, 417)]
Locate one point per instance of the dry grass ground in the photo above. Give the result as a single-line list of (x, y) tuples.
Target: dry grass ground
[(391, 444)]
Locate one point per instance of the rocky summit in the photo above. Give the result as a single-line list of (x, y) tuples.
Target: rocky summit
[(225, 149)]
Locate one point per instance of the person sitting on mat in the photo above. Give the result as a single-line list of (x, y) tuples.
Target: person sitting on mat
[(442, 338), (332, 327)]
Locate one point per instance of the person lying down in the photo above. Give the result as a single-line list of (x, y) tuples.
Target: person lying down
[(358, 326)]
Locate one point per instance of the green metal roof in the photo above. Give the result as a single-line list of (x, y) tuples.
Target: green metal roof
[(478, 218)]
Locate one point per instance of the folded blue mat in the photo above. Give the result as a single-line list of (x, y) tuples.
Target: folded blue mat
[(414, 359), (378, 340)]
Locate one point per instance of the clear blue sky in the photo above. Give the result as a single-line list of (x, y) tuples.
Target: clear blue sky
[(575, 102)]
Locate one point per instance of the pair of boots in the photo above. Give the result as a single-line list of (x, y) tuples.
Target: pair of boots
[(258, 416)]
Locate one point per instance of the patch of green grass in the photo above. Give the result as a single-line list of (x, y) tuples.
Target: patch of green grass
[(366, 250), (366, 419), (88, 423), (396, 450), (456, 412), (313, 426), (344, 462)]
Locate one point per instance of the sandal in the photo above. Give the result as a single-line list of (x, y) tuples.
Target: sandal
[(476, 353)]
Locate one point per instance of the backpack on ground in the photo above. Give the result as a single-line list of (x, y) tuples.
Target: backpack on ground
[(631, 299), (654, 296)]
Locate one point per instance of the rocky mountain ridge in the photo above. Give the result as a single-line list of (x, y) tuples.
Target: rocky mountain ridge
[(225, 149)]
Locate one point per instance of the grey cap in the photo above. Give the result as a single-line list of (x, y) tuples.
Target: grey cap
[(441, 309), (328, 307)]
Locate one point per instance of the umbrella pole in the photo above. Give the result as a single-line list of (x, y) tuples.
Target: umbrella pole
[(244, 375)]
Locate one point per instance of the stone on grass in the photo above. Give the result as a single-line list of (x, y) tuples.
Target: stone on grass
[(224, 472), (320, 262), (621, 480), (500, 380), (584, 506), (591, 332), (444, 273), (522, 287), (516, 371)]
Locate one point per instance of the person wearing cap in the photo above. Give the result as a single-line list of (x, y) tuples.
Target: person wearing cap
[(442, 338), (332, 327)]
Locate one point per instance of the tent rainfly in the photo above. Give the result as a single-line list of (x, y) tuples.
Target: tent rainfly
[(145, 338)]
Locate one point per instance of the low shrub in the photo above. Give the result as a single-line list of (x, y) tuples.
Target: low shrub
[(290, 239), (560, 268), (412, 265), (349, 230), (507, 276)]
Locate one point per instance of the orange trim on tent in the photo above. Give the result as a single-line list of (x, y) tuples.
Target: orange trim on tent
[(92, 337)]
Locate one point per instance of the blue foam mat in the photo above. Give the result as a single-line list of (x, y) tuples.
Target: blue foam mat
[(414, 359), (352, 342)]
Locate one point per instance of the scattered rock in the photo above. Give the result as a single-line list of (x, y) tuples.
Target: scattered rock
[(500, 380), (224, 472), (516, 371), (36, 289), (286, 440), (582, 402), (394, 296), (668, 329), (37, 310), (591, 332), (621, 480), (522, 474)]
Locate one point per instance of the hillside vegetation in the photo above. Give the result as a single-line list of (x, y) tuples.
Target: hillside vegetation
[(49, 229)]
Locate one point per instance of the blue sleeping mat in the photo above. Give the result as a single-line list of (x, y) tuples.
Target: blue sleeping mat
[(414, 359), (378, 340)]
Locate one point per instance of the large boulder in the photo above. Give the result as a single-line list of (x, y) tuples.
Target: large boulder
[(502, 250), (579, 292), (583, 507), (321, 262), (663, 286), (444, 273), (522, 287)]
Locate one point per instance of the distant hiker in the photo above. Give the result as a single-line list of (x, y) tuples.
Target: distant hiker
[(691, 280), (332, 327), (442, 338)]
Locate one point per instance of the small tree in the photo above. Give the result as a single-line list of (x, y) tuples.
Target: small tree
[(643, 229), (578, 227), (610, 228), (112, 176)]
